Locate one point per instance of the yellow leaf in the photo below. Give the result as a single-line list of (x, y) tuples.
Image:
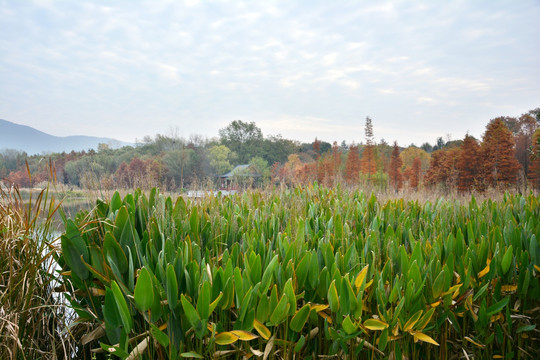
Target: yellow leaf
[(474, 342), (413, 320), (244, 335), (498, 357), (226, 338), (509, 288), (484, 272), (453, 289), (261, 329), (436, 303), (318, 307), (374, 324), (537, 267), (361, 277), (96, 292), (369, 283), (423, 337), (497, 317), (325, 316)]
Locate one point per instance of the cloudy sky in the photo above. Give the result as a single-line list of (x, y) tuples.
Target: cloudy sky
[(303, 69)]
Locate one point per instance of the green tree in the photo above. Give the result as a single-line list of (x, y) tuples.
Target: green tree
[(261, 167), (219, 156), (245, 139)]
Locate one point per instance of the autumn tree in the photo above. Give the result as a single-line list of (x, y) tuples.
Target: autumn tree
[(443, 168), (336, 160), (352, 165), (534, 161), (498, 154), (396, 178), (469, 164), (415, 173), (317, 148)]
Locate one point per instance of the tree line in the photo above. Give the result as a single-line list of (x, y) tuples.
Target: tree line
[(508, 155)]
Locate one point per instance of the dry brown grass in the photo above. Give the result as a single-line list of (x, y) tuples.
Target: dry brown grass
[(32, 315)]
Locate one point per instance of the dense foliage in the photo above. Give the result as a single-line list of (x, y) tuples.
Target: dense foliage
[(504, 158), (305, 272)]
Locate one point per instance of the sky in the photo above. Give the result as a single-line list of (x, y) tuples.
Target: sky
[(303, 69)]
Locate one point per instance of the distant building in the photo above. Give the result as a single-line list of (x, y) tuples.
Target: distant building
[(241, 175)]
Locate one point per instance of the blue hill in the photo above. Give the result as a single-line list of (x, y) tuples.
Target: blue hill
[(33, 141)]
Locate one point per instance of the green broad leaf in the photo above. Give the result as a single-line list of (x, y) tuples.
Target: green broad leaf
[(424, 320), (481, 292), (498, 306), (215, 303), (110, 310), (245, 304), (507, 260), (267, 275), (526, 328), (116, 201), (255, 269), (438, 285), (194, 222), (289, 290), (74, 247), (192, 315), (73, 258), (114, 252), (302, 270), (192, 355), (114, 350), (131, 271), (299, 319), (263, 309), (338, 227), (383, 339), (159, 335), (333, 298), (300, 237), (172, 287), (123, 309), (313, 274), (144, 291), (203, 302), (300, 343), (122, 218), (348, 325), (281, 310)]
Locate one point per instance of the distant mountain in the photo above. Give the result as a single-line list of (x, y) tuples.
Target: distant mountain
[(26, 138)]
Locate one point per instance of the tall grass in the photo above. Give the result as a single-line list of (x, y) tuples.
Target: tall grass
[(32, 315)]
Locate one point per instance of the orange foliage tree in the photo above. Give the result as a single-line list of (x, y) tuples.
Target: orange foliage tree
[(534, 164), (498, 154), (415, 173), (443, 168), (352, 165), (469, 164), (396, 178)]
